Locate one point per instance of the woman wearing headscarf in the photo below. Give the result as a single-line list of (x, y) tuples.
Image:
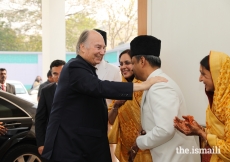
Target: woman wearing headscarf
[(215, 74)]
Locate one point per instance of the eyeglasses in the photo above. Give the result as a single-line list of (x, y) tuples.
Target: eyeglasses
[(125, 63)]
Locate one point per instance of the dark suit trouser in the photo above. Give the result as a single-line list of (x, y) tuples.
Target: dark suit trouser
[(99, 152)]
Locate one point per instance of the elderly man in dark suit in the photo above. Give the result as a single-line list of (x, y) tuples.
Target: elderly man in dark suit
[(3, 85), (45, 104), (77, 128)]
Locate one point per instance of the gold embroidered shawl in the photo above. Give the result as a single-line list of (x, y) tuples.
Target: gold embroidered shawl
[(126, 128), (218, 115)]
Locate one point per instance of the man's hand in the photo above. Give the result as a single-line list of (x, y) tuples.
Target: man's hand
[(133, 152), (40, 149), (148, 83), (3, 130), (134, 149), (118, 103)]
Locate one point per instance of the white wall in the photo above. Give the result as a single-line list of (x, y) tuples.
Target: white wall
[(189, 29)]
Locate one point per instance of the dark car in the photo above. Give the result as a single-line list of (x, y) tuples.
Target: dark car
[(19, 144)]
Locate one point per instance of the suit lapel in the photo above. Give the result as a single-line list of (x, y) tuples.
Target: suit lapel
[(8, 88), (143, 99), (53, 89), (142, 103)]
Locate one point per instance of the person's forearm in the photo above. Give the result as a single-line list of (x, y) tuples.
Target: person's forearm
[(112, 115), (139, 87), (202, 134)]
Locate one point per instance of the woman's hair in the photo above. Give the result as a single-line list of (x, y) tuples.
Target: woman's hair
[(38, 79), (124, 52), (205, 62)]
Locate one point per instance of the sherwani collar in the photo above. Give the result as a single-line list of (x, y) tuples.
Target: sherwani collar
[(153, 74), (102, 66)]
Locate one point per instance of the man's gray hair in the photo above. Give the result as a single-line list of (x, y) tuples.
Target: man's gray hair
[(82, 39), (153, 60)]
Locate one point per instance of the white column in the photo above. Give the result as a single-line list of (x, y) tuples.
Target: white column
[(53, 33)]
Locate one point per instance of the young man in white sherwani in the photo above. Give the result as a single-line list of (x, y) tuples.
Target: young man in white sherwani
[(107, 71), (160, 104)]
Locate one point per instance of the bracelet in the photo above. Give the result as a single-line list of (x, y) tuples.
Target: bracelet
[(206, 142), (203, 129), (133, 150)]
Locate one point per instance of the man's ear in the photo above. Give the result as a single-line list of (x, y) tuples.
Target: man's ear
[(142, 61), (82, 47)]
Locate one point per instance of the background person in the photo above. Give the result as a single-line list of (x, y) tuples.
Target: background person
[(107, 71), (37, 82), (3, 85), (77, 128), (45, 104), (159, 105), (49, 80), (215, 74), (3, 130), (126, 115)]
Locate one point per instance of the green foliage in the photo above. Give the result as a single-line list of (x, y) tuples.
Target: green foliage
[(26, 13), (74, 26), (8, 39), (11, 41), (31, 42), (22, 22)]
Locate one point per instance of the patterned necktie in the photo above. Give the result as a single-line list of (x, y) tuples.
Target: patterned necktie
[(3, 87)]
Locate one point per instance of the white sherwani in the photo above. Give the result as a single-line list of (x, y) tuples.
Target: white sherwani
[(160, 104)]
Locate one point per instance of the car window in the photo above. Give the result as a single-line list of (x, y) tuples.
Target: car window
[(19, 88), (9, 110)]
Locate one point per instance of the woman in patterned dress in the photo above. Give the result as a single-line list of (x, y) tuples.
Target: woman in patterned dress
[(215, 74)]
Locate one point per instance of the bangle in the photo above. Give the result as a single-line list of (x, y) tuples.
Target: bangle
[(205, 142), (203, 129), (133, 150)]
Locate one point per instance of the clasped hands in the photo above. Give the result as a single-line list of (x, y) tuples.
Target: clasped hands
[(188, 126)]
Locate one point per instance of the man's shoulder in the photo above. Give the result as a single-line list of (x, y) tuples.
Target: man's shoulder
[(44, 84), (49, 86), (169, 87), (169, 84), (113, 67), (10, 85), (76, 62)]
